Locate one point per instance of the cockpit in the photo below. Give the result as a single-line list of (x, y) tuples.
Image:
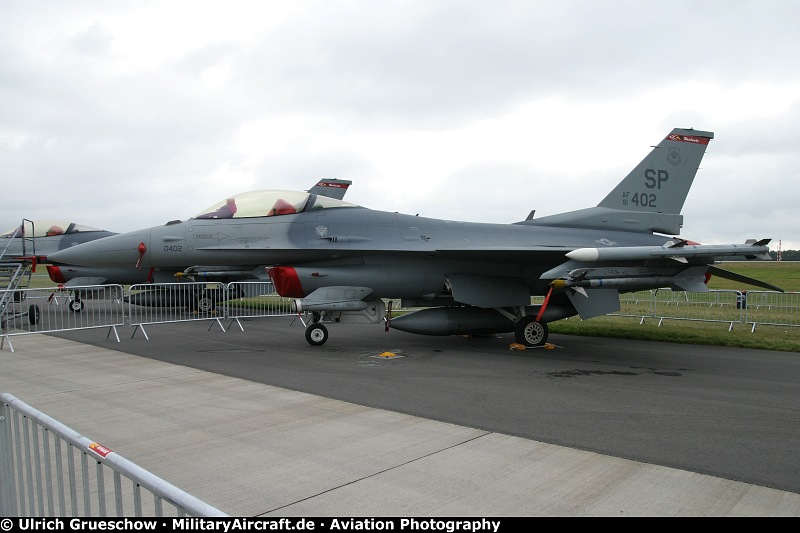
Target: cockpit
[(268, 203), (45, 228)]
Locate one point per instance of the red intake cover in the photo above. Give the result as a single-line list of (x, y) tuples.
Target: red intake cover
[(286, 281)]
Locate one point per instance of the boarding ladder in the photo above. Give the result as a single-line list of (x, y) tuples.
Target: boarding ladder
[(28, 242), (14, 276), (15, 272)]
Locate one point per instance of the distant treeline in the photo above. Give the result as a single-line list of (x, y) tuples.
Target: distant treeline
[(787, 255)]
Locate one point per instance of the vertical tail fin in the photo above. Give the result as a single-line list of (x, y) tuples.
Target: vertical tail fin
[(651, 196), (661, 182)]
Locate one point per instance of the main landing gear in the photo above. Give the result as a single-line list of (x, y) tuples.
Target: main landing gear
[(530, 332)]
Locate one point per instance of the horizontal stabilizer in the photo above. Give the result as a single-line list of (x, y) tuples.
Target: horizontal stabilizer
[(716, 271)]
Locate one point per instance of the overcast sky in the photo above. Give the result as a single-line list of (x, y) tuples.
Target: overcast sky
[(127, 114)]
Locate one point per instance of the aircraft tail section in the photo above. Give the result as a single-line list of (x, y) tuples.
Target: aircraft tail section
[(661, 182), (651, 196)]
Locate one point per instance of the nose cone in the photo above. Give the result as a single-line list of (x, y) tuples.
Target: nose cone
[(125, 249)]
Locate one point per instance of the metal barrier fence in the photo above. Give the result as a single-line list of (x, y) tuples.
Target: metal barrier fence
[(772, 308), (161, 303), (255, 299), (712, 306), (47, 310), (183, 302), (731, 307), (47, 469)]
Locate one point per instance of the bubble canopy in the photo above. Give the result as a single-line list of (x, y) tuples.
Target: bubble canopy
[(270, 202)]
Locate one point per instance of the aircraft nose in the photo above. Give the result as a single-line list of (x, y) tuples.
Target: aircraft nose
[(126, 249)]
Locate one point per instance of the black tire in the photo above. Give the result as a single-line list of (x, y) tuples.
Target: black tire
[(33, 314), (316, 334), (529, 332), (76, 306), (205, 304), (207, 301)]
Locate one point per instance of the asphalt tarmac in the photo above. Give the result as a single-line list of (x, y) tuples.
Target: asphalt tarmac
[(728, 412)]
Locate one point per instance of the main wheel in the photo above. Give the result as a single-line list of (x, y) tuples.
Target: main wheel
[(205, 304), (205, 301), (76, 306), (33, 314), (530, 332), (316, 334)]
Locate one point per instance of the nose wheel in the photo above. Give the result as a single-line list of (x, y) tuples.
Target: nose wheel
[(316, 334), (76, 305)]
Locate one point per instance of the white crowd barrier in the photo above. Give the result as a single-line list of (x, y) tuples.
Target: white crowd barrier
[(48, 469), (45, 310)]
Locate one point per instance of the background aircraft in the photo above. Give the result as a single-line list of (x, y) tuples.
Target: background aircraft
[(34, 240), (67, 275), (340, 261)]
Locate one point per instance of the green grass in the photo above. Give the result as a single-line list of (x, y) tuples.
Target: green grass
[(785, 275), (778, 338)]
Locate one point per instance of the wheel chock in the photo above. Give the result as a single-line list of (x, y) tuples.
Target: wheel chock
[(518, 346)]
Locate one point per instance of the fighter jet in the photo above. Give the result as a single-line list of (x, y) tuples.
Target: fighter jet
[(34, 240), (341, 262)]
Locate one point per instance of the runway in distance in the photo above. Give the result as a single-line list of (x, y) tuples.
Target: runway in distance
[(340, 261)]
